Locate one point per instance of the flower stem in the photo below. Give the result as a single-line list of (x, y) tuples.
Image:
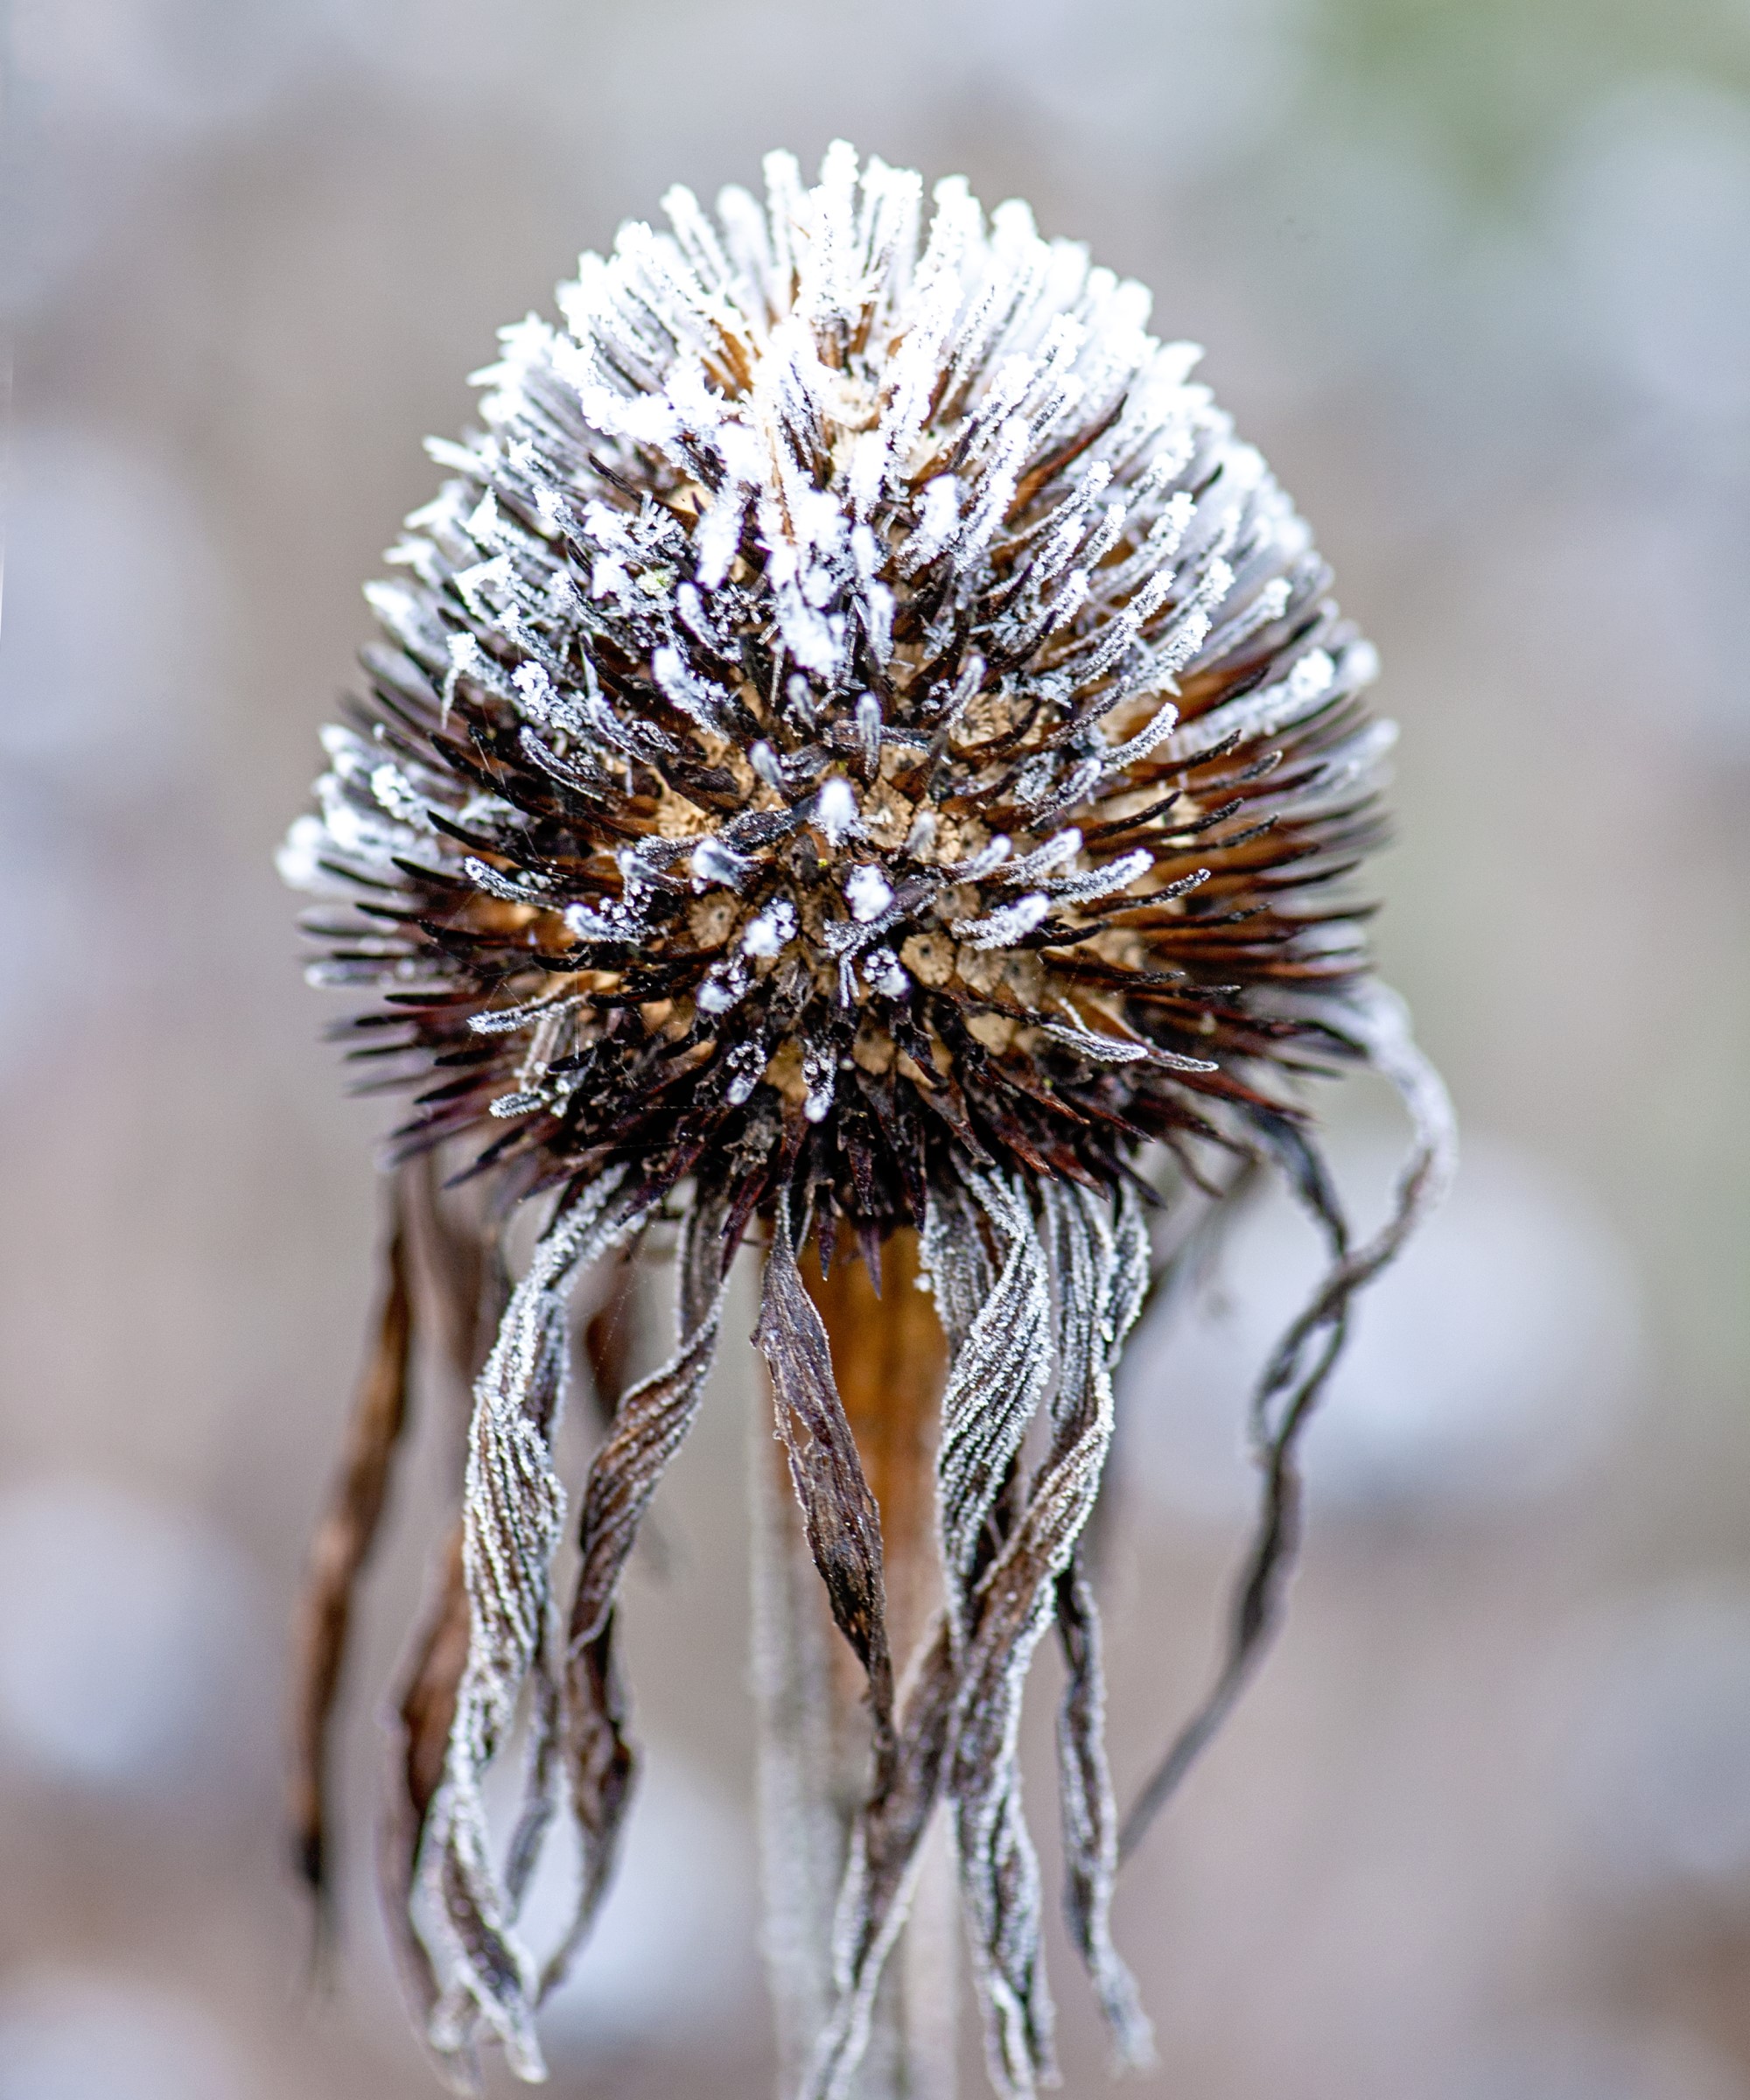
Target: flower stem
[(889, 1359)]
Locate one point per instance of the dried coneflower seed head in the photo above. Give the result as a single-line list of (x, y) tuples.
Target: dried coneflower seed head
[(859, 741), (856, 698)]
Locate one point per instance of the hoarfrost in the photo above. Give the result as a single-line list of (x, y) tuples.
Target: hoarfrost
[(868, 893)]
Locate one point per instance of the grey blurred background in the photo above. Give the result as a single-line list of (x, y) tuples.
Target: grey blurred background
[(1475, 274)]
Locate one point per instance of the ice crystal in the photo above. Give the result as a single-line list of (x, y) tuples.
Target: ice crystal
[(860, 743)]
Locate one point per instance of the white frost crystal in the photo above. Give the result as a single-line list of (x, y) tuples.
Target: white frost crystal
[(868, 893)]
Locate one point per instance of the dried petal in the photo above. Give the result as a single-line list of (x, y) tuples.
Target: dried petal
[(962, 1719), (1101, 1275), (1303, 1361), (649, 1426), (513, 1509), (342, 1544), (424, 1714), (839, 1516)]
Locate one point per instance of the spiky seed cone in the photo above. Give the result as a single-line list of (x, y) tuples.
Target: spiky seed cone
[(849, 704), (858, 738)]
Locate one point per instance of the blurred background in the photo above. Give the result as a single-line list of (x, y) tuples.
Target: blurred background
[(1475, 274)]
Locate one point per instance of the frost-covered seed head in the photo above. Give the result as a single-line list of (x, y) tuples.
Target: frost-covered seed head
[(853, 645)]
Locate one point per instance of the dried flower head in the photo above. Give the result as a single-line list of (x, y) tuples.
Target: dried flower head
[(859, 744)]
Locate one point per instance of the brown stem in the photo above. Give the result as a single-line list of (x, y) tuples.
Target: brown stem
[(889, 1363)]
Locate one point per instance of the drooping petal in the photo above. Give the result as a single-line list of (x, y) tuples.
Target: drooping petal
[(460, 1268), (1002, 1551), (1090, 1818), (513, 1509), (1288, 1392), (1001, 1367), (343, 1541), (1101, 1276), (839, 1517), (1098, 1278), (650, 1424), (423, 1716), (881, 1871)]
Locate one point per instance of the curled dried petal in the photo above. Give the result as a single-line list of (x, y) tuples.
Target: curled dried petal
[(1301, 1364), (513, 1509), (338, 1550), (650, 1425)]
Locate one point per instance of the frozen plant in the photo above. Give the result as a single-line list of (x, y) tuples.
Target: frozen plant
[(858, 746)]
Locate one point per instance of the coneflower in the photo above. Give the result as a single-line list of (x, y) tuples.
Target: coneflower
[(858, 747)]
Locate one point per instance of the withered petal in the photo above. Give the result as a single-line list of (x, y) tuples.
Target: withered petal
[(839, 1517), (341, 1545), (1289, 1390)]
